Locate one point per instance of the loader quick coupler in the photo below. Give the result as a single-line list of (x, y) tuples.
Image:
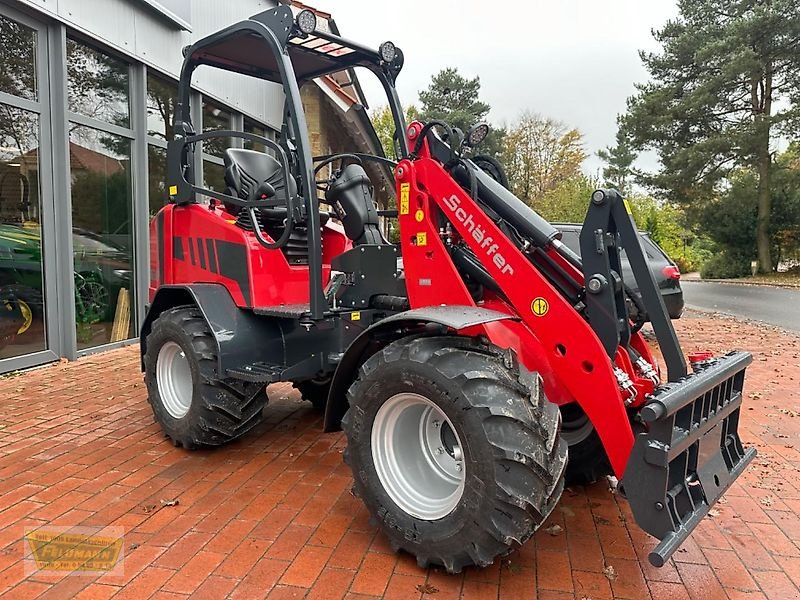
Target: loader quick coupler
[(691, 452)]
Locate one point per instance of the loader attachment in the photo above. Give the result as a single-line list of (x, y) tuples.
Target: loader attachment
[(690, 454)]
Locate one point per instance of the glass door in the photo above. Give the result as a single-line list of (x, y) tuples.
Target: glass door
[(24, 185)]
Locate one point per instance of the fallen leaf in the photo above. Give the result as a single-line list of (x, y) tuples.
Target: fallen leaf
[(610, 572), (174, 502), (148, 508), (426, 588), (767, 500), (554, 530), (713, 512)]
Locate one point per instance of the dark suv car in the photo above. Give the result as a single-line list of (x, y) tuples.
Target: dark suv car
[(665, 271)]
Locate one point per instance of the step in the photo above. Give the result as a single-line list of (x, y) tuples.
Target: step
[(287, 311), (257, 372)]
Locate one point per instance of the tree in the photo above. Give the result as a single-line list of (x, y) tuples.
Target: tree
[(725, 84), (619, 160), (383, 123), (539, 154), (454, 99), (568, 202), (730, 218)]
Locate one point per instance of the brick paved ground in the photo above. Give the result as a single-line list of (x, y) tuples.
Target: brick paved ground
[(272, 515)]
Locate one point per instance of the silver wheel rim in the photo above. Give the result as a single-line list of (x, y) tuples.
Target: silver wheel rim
[(174, 378), (418, 456), (576, 429)]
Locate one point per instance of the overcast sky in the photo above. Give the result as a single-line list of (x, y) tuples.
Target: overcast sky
[(574, 60)]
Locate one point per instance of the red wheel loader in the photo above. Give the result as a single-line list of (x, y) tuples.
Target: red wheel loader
[(473, 380)]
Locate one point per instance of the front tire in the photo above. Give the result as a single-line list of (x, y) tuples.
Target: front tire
[(454, 451), (193, 405), (588, 460)]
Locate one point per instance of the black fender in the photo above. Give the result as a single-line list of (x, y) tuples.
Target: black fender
[(431, 320), (241, 337)]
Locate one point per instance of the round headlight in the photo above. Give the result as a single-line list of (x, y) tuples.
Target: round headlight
[(387, 51), (306, 21), (476, 134)]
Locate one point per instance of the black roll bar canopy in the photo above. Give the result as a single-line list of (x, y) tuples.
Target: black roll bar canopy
[(269, 46)]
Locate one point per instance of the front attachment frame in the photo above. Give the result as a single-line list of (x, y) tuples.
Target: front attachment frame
[(690, 454)]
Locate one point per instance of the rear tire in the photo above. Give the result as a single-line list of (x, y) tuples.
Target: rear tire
[(588, 460), (503, 433), (192, 404)]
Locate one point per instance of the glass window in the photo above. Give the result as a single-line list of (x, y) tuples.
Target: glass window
[(213, 176), (18, 57), (101, 235), (97, 84), (569, 238), (156, 178), (215, 118), (162, 97), (255, 128), (22, 308)]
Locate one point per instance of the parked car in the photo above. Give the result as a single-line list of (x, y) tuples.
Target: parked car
[(665, 271)]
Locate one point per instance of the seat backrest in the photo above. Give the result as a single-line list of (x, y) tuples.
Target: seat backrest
[(245, 170)]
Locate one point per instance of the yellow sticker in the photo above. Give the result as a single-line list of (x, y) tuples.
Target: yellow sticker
[(422, 239), (405, 189), (419, 215), (355, 316), (173, 190), (627, 206), (539, 306)]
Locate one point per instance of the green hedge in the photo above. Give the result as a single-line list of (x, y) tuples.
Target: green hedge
[(726, 266)]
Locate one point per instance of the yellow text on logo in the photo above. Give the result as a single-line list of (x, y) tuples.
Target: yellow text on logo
[(64, 551)]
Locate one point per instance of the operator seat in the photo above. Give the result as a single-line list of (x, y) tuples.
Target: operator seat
[(245, 170)]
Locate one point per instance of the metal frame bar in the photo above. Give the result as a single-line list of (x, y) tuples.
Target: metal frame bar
[(608, 221), (141, 208), (62, 211), (53, 338), (85, 121)]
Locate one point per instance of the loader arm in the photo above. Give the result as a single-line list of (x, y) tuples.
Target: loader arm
[(573, 316)]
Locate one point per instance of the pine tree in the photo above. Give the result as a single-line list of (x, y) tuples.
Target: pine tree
[(619, 161), (454, 99), (725, 85)]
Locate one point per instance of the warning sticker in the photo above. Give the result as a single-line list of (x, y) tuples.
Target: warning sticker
[(355, 316), (173, 190), (627, 206), (404, 193), (422, 239), (419, 215), (539, 306)]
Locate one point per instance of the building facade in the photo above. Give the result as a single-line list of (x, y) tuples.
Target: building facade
[(87, 95)]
